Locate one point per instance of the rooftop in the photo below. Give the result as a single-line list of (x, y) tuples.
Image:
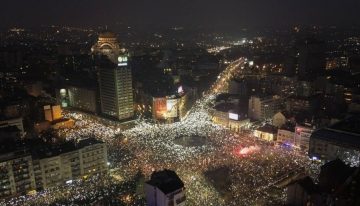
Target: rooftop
[(226, 107), (88, 142), (267, 128), (307, 184), (345, 133), (351, 125), (287, 114), (40, 149), (167, 181), (334, 173), (289, 127)]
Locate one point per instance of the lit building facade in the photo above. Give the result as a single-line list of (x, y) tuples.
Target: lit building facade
[(302, 136), (230, 116), (16, 174), (93, 157), (239, 125), (116, 93), (174, 107), (266, 132), (87, 157), (159, 108), (286, 136), (52, 113), (22, 172)]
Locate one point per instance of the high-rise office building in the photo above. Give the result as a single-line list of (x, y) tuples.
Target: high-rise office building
[(115, 80)]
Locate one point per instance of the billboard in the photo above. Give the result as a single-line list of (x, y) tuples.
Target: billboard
[(159, 108), (165, 107), (122, 61), (172, 108), (56, 112), (233, 116)]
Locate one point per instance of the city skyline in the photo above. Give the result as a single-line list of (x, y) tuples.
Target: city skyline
[(178, 103)]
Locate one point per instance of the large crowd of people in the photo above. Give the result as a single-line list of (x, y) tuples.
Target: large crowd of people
[(252, 166)]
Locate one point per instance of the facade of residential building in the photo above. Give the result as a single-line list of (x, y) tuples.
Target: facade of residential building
[(234, 120), (47, 167), (286, 136), (302, 136), (16, 173), (339, 141), (266, 132)]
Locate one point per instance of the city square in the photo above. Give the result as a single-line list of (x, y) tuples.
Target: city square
[(223, 168)]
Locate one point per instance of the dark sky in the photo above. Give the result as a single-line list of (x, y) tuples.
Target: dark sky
[(208, 13)]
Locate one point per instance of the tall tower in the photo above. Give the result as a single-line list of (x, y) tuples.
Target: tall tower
[(115, 80)]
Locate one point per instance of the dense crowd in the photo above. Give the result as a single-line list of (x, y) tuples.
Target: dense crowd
[(228, 169)]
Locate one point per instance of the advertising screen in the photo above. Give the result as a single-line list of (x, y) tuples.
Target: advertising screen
[(122, 61), (233, 116), (172, 108), (159, 107)]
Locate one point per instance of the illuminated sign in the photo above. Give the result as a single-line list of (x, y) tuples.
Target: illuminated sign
[(122, 61), (233, 116)]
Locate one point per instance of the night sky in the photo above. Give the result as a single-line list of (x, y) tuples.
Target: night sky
[(207, 13)]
